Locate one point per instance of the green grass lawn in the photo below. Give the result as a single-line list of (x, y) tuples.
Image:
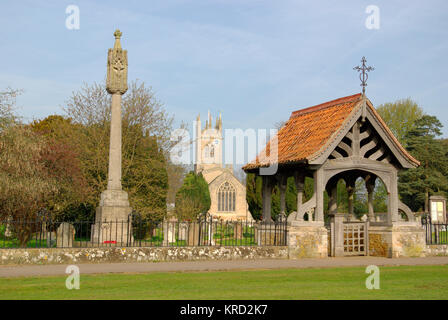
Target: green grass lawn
[(404, 282)]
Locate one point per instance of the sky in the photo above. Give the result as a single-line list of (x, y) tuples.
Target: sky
[(255, 61)]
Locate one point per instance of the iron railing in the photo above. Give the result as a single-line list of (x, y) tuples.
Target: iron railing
[(138, 232), (436, 232)]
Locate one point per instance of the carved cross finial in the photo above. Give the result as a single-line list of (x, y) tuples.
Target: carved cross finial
[(363, 76), (117, 67), (117, 35)]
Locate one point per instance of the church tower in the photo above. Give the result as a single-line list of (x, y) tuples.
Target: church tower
[(227, 193), (208, 144)]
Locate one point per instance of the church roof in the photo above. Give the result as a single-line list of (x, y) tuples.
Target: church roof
[(310, 131)]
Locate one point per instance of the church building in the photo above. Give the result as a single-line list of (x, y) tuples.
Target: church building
[(227, 193)]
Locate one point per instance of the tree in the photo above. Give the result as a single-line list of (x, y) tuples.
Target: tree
[(291, 195), (176, 174), (415, 185), (193, 198), (254, 185), (146, 177), (36, 173), (400, 116), (7, 104)]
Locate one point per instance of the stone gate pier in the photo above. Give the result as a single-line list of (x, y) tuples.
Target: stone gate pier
[(398, 240), (307, 240)]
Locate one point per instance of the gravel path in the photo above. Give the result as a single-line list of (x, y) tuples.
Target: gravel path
[(197, 266)]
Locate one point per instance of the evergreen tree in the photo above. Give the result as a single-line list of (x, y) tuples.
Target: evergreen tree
[(415, 185), (193, 198), (254, 187), (291, 195), (400, 116)]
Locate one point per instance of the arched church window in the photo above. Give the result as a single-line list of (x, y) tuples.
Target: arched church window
[(226, 197), (212, 151)]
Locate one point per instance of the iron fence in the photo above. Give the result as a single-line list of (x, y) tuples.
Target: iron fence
[(138, 232), (436, 232)]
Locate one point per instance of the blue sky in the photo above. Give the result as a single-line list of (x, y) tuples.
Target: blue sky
[(255, 61)]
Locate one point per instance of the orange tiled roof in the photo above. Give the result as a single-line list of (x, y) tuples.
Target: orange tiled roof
[(307, 130)]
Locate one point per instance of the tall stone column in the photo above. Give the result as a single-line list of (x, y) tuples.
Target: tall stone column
[(319, 190), (112, 215), (370, 186), (299, 178), (333, 201), (350, 186), (282, 183), (267, 194)]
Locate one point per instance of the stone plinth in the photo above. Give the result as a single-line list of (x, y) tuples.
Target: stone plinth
[(112, 220), (402, 239), (307, 239), (408, 240), (380, 241), (113, 232), (114, 198)]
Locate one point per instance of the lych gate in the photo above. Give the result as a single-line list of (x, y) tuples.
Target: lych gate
[(341, 139)]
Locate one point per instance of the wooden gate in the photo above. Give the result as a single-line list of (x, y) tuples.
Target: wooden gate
[(356, 239), (348, 238)]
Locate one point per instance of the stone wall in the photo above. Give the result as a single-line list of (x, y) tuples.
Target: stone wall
[(437, 250), (133, 254), (380, 240), (399, 240), (307, 240), (408, 241)]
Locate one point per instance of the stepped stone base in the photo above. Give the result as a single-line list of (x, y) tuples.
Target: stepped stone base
[(112, 221)]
